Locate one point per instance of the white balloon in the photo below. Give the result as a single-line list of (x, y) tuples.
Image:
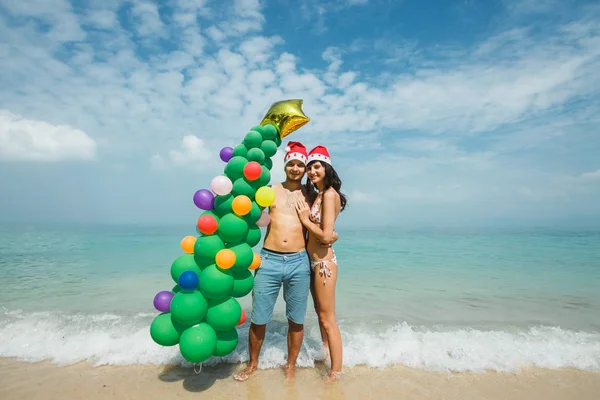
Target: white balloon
[(221, 185)]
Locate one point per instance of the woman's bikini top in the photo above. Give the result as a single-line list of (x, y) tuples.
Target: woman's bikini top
[(315, 210)]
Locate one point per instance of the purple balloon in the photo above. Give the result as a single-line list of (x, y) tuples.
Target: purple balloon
[(204, 199), (226, 153), (162, 301)]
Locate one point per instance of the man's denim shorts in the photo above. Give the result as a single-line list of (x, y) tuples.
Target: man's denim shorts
[(290, 269)]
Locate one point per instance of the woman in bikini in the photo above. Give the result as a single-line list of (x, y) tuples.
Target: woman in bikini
[(319, 219)]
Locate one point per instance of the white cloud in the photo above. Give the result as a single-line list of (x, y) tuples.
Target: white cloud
[(524, 7), (593, 175), (361, 198), (65, 25), (24, 139), (447, 129), (192, 152), (147, 20)]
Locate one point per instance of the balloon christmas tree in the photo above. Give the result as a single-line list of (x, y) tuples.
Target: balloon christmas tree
[(201, 312)]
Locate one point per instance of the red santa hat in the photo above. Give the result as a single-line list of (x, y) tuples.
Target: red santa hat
[(319, 153), (295, 151)]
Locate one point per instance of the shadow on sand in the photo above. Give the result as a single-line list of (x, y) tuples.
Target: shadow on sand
[(194, 381)]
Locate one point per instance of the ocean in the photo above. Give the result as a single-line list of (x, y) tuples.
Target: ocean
[(446, 299)]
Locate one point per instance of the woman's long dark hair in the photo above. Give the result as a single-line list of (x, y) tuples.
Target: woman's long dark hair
[(331, 180)]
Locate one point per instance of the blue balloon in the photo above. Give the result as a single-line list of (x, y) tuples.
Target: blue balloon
[(188, 280)]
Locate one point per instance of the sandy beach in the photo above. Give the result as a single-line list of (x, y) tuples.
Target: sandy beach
[(20, 380)]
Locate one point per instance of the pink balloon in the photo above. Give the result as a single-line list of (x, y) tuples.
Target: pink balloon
[(221, 185), (264, 219)]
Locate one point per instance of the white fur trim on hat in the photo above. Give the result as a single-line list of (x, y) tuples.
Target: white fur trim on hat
[(295, 156), (319, 157)]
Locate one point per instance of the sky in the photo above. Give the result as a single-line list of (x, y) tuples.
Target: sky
[(434, 112)]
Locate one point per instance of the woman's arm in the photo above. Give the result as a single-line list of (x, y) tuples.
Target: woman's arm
[(325, 235)]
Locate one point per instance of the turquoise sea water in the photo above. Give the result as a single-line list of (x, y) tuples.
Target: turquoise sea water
[(442, 299)]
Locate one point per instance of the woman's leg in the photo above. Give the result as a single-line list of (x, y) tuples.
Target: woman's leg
[(325, 296), (316, 303)]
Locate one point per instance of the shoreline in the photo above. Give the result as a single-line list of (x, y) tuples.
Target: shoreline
[(44, 380)]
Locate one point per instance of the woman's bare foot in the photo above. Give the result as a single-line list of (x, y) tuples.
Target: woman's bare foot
[(290, 371), (332, 376), (245, 373)]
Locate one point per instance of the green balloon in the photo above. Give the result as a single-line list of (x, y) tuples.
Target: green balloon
[(243, 256), (163, 331), (212, 213), (183, 263), (242, 186), (258, 128), (254, 214), (227, 341), (277, 140), (232, 228), (269, 148), (257, 155), (176, 289), (269, 132), (265, 177), (243, 283), (240, 151), (216, 283), (254, 236), (268, 163), (235, 167), (188, 308), (223, 205), (252, 139), (198, 343), (206, 249), (223, 314)]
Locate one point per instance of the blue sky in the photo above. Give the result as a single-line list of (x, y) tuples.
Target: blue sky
[(435, 112)]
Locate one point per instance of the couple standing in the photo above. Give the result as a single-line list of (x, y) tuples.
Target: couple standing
[(298, 255)]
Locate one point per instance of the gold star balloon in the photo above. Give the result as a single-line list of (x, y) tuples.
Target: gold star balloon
[(286, 115)]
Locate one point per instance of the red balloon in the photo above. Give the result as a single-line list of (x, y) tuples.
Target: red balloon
[(207, 224), (242, 318), (252, 171)]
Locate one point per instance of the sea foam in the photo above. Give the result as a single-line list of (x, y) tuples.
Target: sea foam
[(107, 339)]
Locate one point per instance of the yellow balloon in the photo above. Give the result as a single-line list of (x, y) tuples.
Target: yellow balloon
[(265, 196), (286, 115)]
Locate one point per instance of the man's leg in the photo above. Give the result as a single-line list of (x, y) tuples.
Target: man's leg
[(267, 283), (296, 289)]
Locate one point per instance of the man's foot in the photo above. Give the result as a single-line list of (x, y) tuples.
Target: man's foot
[(332, 376), (290, 371), (244, 374)]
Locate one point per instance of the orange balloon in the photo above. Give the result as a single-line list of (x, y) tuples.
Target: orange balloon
[(241, 205), (255, 262), (187, 244), (225, 259), (242, 318)]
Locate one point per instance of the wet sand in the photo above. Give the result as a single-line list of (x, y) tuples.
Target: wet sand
[(19, 380)]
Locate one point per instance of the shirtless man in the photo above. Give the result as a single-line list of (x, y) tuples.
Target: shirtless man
[(284, 262)]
